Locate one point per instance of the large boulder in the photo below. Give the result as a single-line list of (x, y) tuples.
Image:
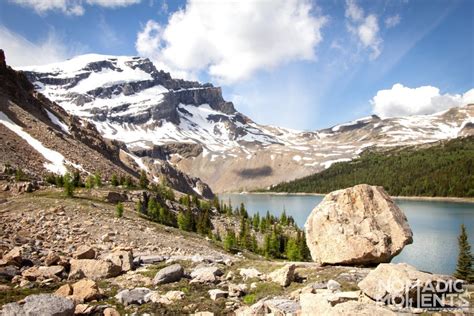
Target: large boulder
[(169, 274), (84, 252), (93, 269), (357, 225), (403, 284), (41, 304)]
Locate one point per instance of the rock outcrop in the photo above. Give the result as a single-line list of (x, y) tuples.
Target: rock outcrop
[(357, 225), (401, 283)]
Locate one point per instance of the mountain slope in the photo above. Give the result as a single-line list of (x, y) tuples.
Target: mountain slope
[(444, 169), (192, 127), (40, 137)]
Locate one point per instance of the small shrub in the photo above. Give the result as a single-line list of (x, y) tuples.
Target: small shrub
[(250, 299), (119, 209)]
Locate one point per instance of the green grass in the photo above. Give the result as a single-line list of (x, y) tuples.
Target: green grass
[(16, 294)]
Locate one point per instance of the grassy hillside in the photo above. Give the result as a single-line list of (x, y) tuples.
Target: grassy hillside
[(445, 169)]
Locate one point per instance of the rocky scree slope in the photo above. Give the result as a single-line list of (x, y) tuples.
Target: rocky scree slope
[(40, 137), (191, 126)]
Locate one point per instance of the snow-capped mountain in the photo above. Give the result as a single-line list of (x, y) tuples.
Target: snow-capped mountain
[(193, 127)]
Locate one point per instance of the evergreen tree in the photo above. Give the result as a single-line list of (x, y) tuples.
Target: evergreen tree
[(68, 185), (153, 210), (139, 206), (143, 182), (185, 220), (464, 268), (114, 181), (229, 240), (76, 179), (284, 218), (90, 182), (59, 181), (293, 250), (97, 180)]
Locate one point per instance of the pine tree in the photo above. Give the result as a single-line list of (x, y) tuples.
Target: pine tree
[(90, 182), (143, 182), (76, 179), (97, 180), (464, 268), (284, 218), (229, 240), (293, 250), (68, 185), (114, 181)]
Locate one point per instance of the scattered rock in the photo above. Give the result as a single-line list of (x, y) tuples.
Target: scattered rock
[(93, 269), (216, 294), (122, 258), (357, 225), (44, 272), (169, 274), (282, 306), (85, 291), (13, 257), (109, 311), (333, 286), (237, 290), (134, 296), (51, 259), (250, 273), (205, 274), (84, 252), (115, 197), (283, 276), (9, 272), (151, 259), (174, 295), (41, 304), (64, 290)]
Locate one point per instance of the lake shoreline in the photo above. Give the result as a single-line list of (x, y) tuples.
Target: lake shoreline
[(412, 198)]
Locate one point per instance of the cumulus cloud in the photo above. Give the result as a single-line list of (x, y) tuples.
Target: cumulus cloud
[(70, 7), (232, 40), (365, 28), (392, 21), (401, 100), (21, 52)]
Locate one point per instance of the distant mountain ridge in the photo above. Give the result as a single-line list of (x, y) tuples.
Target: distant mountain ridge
[(192, 127)]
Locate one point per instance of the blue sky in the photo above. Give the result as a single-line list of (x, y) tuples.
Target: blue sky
[(298, 63)]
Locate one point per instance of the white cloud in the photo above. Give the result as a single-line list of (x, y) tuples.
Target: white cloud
[(70, 7), (113, 3), (401, 100), (366, 28), (21, 52), (353, 11), (233, 40), (392, 21)]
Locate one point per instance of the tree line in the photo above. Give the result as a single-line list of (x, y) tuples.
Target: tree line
[(445, 169)]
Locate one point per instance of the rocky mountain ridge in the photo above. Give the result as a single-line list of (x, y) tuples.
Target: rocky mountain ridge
[(192, 127), (41, 137)]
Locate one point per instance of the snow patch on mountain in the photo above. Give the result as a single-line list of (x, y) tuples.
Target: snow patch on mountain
[(57, 160)]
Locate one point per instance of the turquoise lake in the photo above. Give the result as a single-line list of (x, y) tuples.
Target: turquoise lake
[(435, 225)]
